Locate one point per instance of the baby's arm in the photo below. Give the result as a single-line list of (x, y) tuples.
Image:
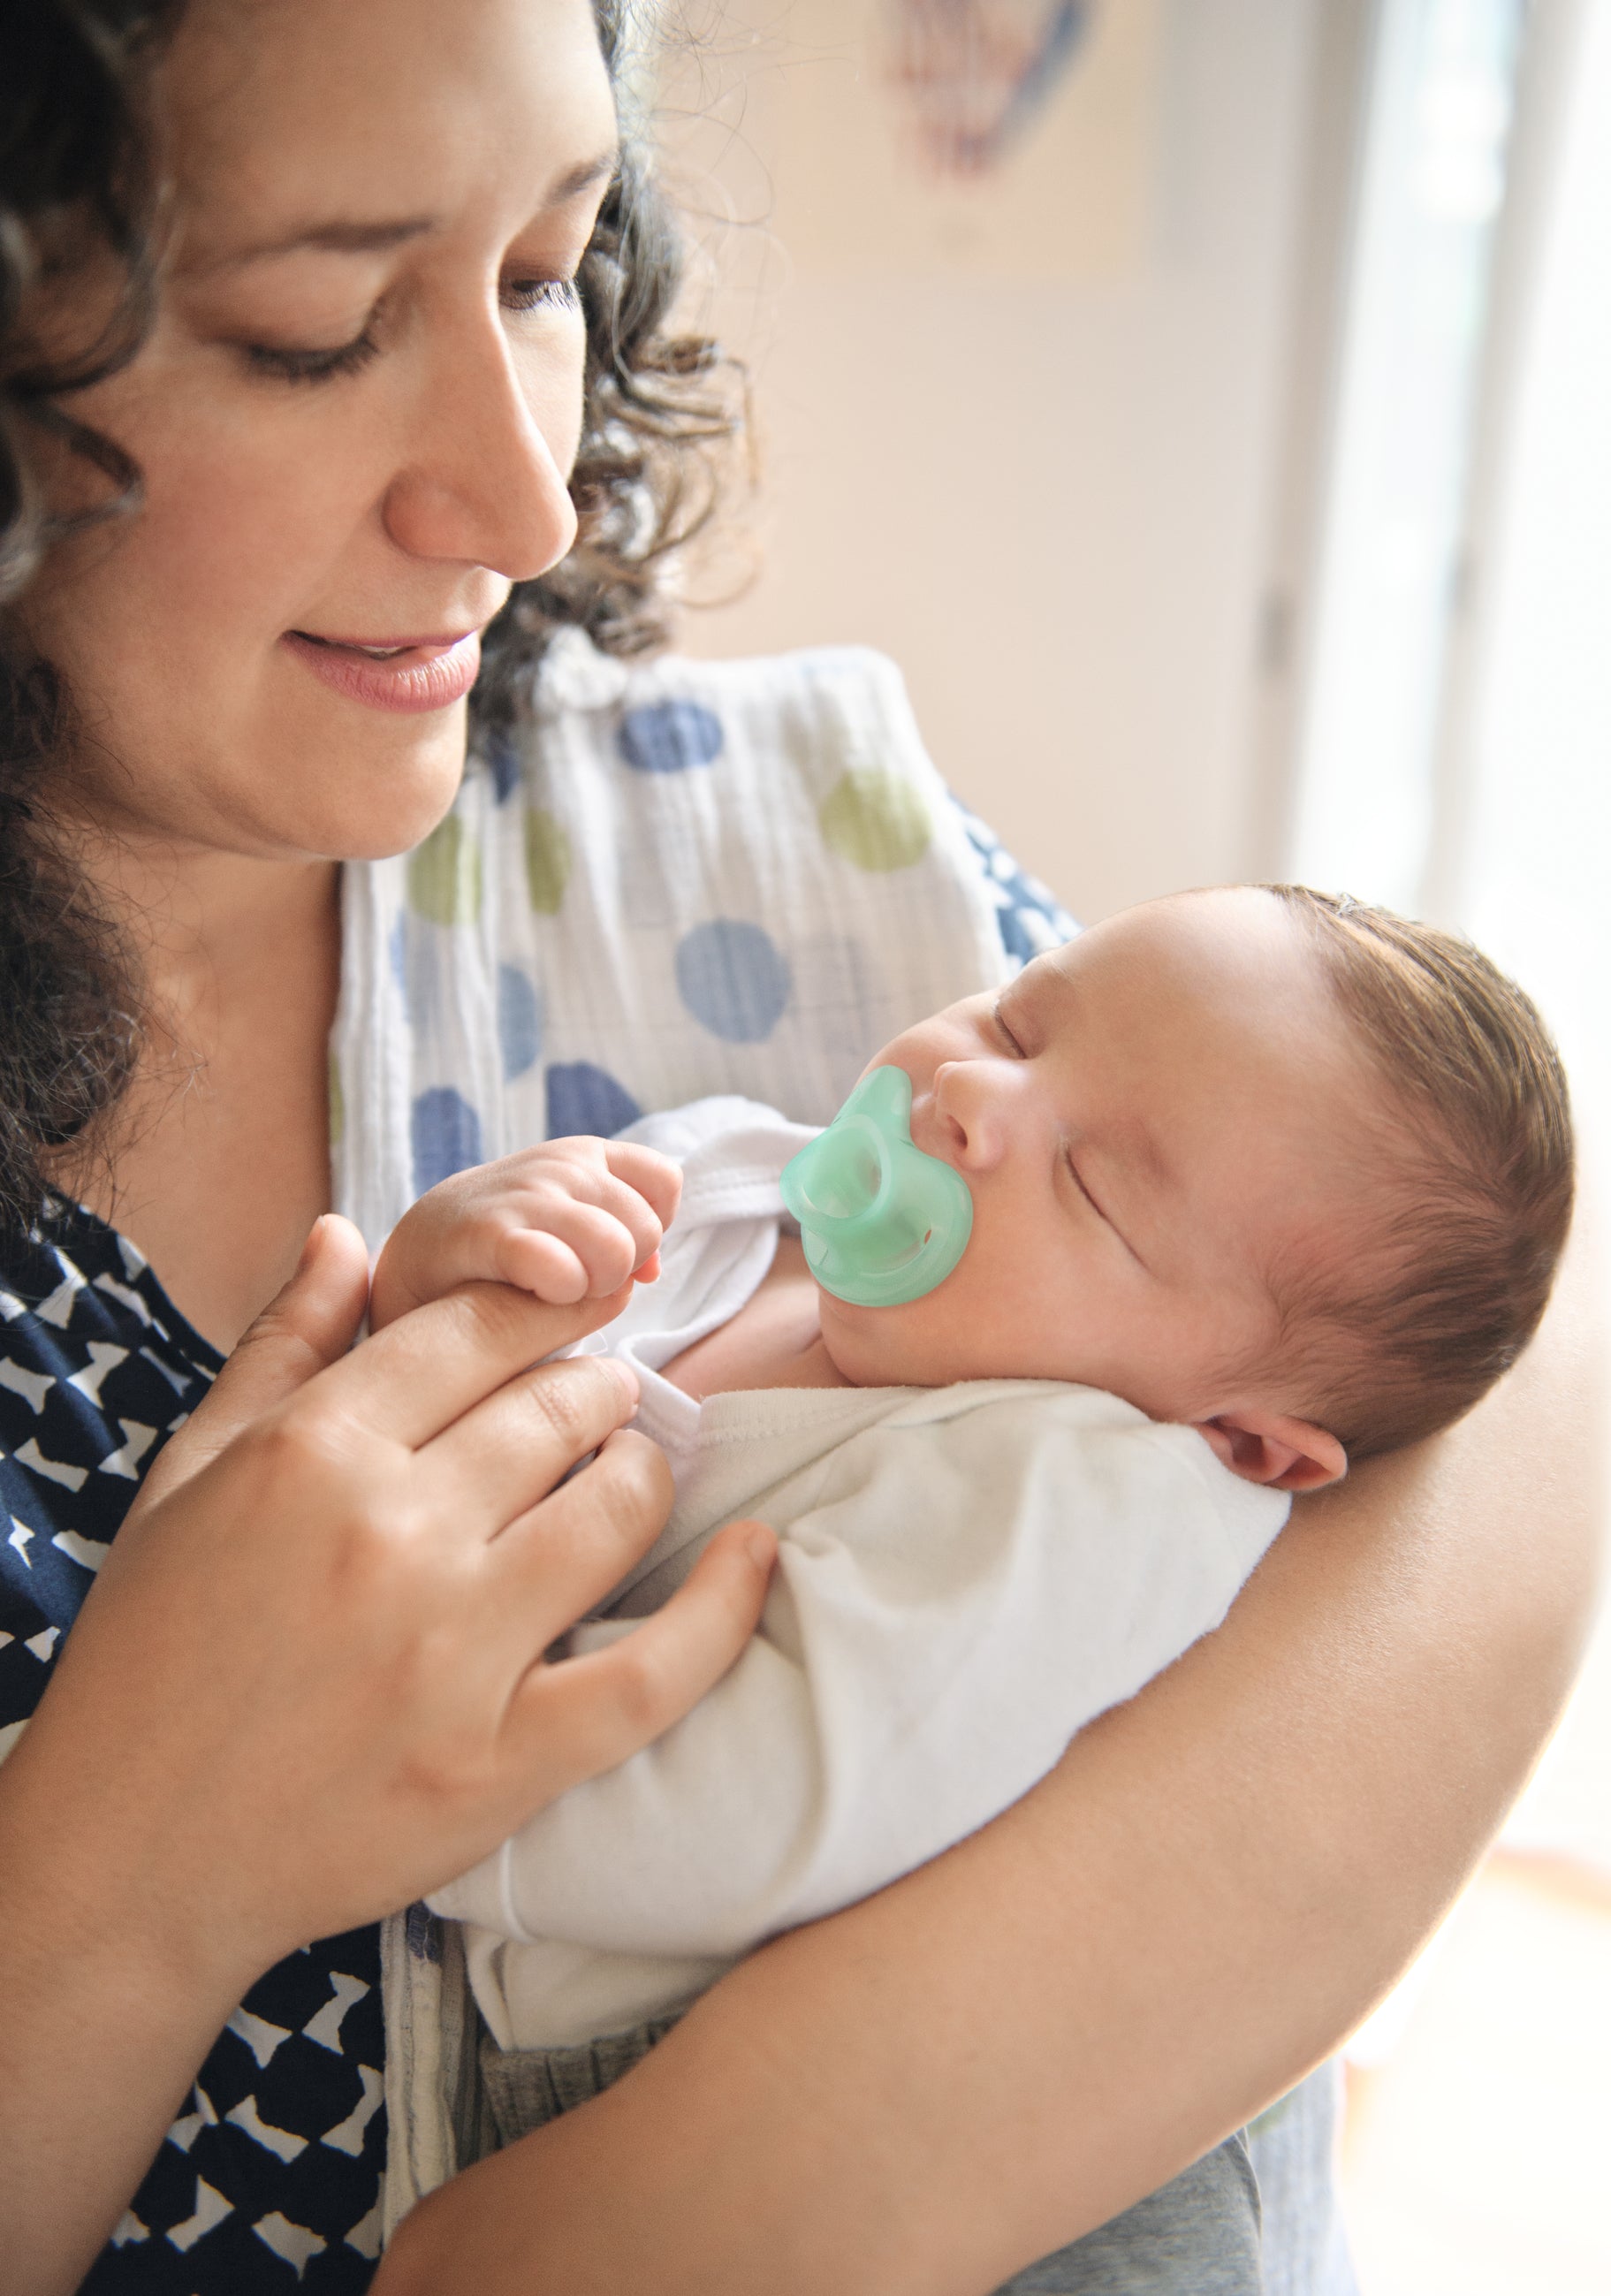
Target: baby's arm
[(965, 1595), (573, 1220)]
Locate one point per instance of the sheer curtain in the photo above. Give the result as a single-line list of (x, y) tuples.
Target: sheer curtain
[(1455, 745)]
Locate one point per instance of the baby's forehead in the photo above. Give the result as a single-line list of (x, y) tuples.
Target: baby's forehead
[(1231, 953)]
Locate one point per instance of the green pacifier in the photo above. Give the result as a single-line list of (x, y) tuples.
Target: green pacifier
[(882, 1222)]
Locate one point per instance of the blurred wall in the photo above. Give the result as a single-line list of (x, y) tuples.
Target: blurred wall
[(1043, 478)]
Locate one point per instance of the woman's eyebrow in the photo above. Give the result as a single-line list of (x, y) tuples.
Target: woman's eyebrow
[(337, 236), (363, 235)]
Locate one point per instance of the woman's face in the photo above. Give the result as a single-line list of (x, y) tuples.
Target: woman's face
[(355, 418)]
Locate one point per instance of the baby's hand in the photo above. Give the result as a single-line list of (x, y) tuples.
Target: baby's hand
[(574, 1219)]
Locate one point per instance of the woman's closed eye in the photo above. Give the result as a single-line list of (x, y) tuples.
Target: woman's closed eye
[(297, 363)]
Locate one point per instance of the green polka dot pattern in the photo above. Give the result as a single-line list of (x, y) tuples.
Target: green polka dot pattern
[(876, 819), (547, 860), (445, 876)]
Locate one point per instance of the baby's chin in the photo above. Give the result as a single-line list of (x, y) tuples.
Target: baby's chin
[(884, 1347)]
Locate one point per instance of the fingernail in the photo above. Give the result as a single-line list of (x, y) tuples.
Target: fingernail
[(305, 1257), (627, 1377), (761, 1547)]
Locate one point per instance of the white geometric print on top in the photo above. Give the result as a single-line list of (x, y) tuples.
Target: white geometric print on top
[(43, 1645), (89, 1554), (211, 2208), (32, 1386), (54, 1470), (284, 2142), (176, 1379), (260, 2037), (102, 1358), (58, 1309), (293, 2241), (365, 2235), (124, 1297), (348, 2137), (19, 1538), (136, 1442), (128, 2227), (325, 2028), (190, 2125)]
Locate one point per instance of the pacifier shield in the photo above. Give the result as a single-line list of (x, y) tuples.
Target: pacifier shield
[(882, 1222)]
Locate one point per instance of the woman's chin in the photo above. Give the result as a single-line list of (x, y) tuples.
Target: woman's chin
[(391, 804)]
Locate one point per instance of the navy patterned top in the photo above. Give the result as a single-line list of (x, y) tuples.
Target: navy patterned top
[(270, 2177)]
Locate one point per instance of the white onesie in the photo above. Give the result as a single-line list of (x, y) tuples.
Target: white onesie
[(967, 1576)]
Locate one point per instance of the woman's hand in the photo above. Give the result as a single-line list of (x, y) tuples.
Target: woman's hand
[(310, 1684)]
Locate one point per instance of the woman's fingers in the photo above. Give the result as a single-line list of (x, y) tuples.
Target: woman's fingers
[(503, 1458), (566, 1722), (423, 1373), (307, 1326), (565, 1553)]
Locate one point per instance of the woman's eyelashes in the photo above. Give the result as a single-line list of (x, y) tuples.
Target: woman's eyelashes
[(522, 297)]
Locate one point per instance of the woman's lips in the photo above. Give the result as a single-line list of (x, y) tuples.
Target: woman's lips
[(412, 674)]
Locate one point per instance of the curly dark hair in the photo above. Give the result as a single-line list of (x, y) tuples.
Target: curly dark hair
[(77, 185)]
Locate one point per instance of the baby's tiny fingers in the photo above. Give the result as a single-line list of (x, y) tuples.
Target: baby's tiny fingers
[(655, 1177), (545, 1266)]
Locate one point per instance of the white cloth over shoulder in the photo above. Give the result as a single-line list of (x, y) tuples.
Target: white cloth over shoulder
[(967, 1576), (689, 878), (679, 878)]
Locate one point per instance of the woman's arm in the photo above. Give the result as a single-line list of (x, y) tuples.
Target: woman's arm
[(986, 2060), (309, 1684)]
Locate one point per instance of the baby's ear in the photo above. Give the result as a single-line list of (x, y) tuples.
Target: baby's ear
[(1261, 1447)]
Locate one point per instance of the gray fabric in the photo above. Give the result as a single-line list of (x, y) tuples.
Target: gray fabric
[(1198, 2236), (1293, 2147)]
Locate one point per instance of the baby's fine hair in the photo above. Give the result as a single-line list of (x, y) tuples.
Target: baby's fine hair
[(1449, 1289)]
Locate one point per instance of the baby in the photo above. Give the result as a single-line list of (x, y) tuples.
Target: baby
[(1262, 1182)]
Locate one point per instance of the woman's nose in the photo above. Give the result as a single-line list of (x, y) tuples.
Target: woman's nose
[(485, 485)]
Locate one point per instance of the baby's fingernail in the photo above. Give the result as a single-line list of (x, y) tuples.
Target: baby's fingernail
[(760, 1546), (627, 1377)]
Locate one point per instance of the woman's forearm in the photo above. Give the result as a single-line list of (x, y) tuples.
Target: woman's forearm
[(108, 2001), (1003, 2050)]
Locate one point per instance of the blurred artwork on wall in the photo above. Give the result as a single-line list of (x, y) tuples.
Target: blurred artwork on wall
[(969, 78), (1004, 139)]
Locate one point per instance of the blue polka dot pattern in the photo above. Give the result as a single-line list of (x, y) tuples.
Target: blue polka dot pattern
[(519, 1022), (416, 969), (665, 737), (1029, 918), (582, 1098), (503, 764), (734, 979), (444, 1133)]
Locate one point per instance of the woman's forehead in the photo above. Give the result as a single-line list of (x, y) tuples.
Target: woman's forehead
[(294, 112)]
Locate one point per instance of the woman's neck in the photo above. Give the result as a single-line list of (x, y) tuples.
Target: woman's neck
[(217, 1162)]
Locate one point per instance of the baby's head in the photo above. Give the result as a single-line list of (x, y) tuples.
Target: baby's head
[(1289, 1169)]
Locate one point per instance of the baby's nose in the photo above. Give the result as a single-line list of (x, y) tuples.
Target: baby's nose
[(973, 1100)]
